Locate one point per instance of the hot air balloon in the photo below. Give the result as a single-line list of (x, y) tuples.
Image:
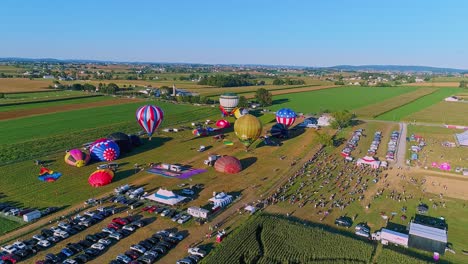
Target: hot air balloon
[(47, 175), (77, 158), (104, 150), (286, 116), (247, 128), (123, 140), (279, 130), (238, 112), (149, 117), (228, 102), (101, 178), (200, 132), (228, 164), (223, 123)]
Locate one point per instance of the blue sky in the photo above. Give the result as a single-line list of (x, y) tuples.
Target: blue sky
[(312, 33)]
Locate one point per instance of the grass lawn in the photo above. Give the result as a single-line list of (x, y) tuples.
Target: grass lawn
[(7, 225), (66, 101), (341, 98), (418, 105), (451, 113)]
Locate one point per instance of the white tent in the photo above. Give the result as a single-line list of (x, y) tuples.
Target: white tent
[(250, 209), (166, 197), (462, 139), (367, 160), (221, 199)]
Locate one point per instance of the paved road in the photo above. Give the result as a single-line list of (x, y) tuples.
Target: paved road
[(401, 150)]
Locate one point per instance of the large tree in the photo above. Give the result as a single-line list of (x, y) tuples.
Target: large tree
[(342, 119), (324, 138), (264, 97), (243, 102)]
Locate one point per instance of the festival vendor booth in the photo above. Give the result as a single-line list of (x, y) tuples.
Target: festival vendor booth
[(462, 139), (198, 212), (166, 197), (220, 199), (367, 160)]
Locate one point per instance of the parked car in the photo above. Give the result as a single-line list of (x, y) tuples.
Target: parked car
[(85, 243), (43, 243), (132, 254), (136, 205), (120, 221), (68, 252), (82, 258), (184, 261), (116, 236), (138, 248), (176, 217), (184, 219), (98, 246), (344, 221), (188, 192), (10, 249), (197, 251), (92, 252), (123, 258), (130, 227), (53, 239), (114, 226), (52, 258), (177, 236)]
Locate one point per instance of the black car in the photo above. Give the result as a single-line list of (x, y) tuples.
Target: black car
[(137, 204), (114, 261), (139, 223), (145, 244), (101, 235), (124, 232), (47, 232), (30, 242), (75, 247), (78, 227), (98, 217), (82, 258), (61, 256), (171, 240), (71, 231), (130, 202), (53, 239), (92, 238), (165, 244), (85, 243), (147, 259), (52, 258), (23, 253), (92, 252), (151, 240), (160, 249), (344, 221), (160, 209)]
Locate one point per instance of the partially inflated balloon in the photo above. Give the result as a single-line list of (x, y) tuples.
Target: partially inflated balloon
[(122, 139), (228, 164), (279, 131), (228, 102), (149, 117), (104, 150), (77, 158), (248, 128), (101, 178), (222, 123), (200, 132), (238, 112)]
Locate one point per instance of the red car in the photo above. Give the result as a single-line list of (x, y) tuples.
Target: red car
[(146, 208), (120, 221), (114, 226), (10, 258), (152, 209), (132, 254)]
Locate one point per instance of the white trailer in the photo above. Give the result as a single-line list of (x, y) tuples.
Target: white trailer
[(32, 216), (393, 237)]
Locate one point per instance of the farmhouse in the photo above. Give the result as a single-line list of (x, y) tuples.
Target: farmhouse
[(166, 197)]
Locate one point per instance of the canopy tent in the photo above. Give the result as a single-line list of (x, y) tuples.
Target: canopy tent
[(250, 209), (462, 139), (221, 199), (166, 197), (367, 160)]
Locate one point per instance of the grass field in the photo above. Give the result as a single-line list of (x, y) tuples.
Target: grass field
[(418, 105), (434, 151), (450, 113), (379, 108), (7, 225), (60, 101), (341, 98), (12, 85)]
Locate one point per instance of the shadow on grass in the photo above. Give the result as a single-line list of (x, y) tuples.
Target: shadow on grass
[(247, 162)]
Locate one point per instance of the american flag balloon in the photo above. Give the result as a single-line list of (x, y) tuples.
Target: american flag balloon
[(285, 116), (149, 117)]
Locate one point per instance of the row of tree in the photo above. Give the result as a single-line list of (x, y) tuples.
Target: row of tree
[(288, 81), (231, 80)]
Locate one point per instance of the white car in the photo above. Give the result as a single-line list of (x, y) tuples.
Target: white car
[(116, 235), (130, 228), (197, 251), (43, 243), (55, 229), (61, 234), (98, 246), (107, 230), (163, 233), (69, 261), (10, 249), (184, 219), (38, 237), (138, 248), (105, 241), (64, 225), (19, 245), (123, 258), (14, 211), (79, 218), (176, 217), (90, 214)]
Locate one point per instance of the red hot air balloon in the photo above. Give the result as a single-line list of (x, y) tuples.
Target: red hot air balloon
[(228, 164), (223, 123), (101, 178), (149, 117)]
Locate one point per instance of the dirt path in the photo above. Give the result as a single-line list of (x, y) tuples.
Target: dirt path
[(61, 108), (401, 151)]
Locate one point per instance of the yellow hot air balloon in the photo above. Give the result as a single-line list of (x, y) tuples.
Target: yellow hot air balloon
[(238, 112), (247, 128)]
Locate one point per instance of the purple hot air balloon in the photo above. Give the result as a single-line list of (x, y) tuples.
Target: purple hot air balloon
[(77, 158), (104, 150), (149, 117)]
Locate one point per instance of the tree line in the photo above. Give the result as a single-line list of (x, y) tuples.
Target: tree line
[(231, 80), (288, 81)]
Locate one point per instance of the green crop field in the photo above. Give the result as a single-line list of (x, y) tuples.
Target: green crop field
[(419, 104), (7, 225), (62, 101), (443, 112), (337, 98)]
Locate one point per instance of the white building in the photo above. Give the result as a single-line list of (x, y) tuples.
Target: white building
[(221, 199), (198, 212), (324, 120)]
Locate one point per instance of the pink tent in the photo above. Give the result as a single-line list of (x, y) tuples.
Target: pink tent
[(434, 165), (444, 166)]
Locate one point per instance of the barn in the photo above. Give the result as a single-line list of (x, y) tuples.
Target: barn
[(427, 238)]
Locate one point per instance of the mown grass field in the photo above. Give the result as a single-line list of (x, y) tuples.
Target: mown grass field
[(379, 108), (341, 98), (419, 104), (7, 225), (451, 113), (72, 99)]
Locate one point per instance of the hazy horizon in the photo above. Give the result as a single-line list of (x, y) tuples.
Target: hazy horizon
[(297, 33)]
